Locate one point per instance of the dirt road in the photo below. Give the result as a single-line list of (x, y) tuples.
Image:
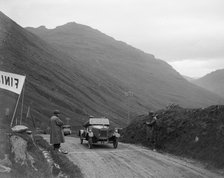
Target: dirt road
[(127, 161)]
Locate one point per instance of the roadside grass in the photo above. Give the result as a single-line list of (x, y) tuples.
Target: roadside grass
[(66, 166)]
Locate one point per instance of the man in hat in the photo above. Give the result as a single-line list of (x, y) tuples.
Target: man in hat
[(151, 129), (56, 131)]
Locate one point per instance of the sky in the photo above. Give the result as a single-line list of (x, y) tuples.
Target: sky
[(187, 34)]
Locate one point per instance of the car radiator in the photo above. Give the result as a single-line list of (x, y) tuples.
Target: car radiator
[(103, 133)]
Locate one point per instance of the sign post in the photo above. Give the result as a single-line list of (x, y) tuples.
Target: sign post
[(14, 83)]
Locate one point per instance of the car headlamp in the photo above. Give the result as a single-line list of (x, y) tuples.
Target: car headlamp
[(90, 134)]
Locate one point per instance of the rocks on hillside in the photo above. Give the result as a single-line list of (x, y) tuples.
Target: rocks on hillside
[(27, 159)]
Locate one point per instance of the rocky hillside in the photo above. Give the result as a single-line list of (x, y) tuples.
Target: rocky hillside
[(193, 133), (213, 82), (83, 72)]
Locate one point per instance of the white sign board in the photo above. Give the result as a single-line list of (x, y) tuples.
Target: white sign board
[(99, 121), (11, 82)]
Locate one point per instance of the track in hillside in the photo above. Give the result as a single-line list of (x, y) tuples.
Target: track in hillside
[(103, 161)]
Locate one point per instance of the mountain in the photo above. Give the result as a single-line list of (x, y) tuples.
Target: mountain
[(213, 82), (83, 72), (153, 81), (55, 80), (190, 79)]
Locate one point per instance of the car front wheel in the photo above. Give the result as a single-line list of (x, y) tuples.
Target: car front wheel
[(115, 143)]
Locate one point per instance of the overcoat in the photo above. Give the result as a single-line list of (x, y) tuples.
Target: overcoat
[(151, 129), (56, 131)]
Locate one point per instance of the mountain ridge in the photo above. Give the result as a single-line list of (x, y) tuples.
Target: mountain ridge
[(213, 82), (90, 75), (142, 61)]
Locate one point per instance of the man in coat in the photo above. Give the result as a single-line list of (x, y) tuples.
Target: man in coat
[(152, 129), (56, 131)]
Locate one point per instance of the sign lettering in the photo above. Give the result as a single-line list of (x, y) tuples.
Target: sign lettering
[(11, 82)]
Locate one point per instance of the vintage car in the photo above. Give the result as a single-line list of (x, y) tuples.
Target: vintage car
[(97, 130)]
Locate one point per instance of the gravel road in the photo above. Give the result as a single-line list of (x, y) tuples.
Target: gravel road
[(129, 161)]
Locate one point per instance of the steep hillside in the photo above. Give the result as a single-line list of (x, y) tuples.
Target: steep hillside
[(192, 133), (84, 72), (55, 80), (151, 80), (213, 82)]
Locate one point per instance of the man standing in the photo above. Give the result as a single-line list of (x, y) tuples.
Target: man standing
[(56, 131), (151, 129)]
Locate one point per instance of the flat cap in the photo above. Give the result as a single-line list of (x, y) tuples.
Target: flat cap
[(151, 112), (56, 111)]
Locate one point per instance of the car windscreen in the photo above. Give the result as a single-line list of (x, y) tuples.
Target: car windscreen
[(100, 126), (66, 126)]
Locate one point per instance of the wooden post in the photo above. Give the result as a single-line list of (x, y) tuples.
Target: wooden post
[(21, 114), (15, 111)]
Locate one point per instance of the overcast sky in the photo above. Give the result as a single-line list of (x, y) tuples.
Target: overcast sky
[(188, 34)]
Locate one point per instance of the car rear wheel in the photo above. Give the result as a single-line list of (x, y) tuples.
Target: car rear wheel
[(115, 143), (90, 143)]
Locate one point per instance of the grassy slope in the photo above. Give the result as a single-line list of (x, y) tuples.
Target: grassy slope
[(178, 129), (40, 163), (154, 83), (65, 164), (53, 80)]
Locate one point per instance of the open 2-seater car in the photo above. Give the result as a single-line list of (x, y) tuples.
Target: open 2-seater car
[(97, 130)]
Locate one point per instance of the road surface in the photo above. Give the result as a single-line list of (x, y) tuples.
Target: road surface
[(129, 161)]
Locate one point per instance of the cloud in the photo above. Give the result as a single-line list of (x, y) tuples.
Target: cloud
[(171, 30), (197, 67)]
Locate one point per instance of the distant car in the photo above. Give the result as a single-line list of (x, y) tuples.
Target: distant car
[(97, 130), (40, 131), (67, 130)]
